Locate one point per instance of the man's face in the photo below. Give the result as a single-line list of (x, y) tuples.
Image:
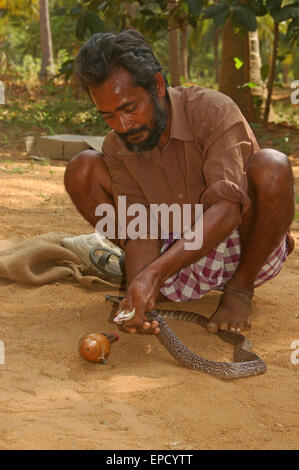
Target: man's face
[(134, 114)]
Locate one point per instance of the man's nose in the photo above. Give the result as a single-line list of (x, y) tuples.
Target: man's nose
[(124, 123)]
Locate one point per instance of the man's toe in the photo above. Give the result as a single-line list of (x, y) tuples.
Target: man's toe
[(224, 326), (212, 327), (233, 326)]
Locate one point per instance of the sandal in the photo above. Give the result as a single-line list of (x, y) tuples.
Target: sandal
[(102, 265)]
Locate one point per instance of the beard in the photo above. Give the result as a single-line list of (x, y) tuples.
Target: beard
[(159, 126)]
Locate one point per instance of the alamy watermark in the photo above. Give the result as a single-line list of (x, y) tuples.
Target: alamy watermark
[(295, 94), (2, 353), (295, 354), (144, 223), (2, 93)]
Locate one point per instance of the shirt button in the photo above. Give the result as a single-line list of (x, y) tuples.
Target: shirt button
[(181, 195)]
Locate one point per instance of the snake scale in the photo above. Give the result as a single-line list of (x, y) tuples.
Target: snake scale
[(245, 364)]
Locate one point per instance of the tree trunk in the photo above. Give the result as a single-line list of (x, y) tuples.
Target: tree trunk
[(216, 54), (184, 52), (131, 10), (232, 80), (272, 72), (174, 57), (47, 67), (174, 63)]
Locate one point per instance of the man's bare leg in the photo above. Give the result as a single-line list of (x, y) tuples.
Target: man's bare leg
[(88, 183), (271, 191)]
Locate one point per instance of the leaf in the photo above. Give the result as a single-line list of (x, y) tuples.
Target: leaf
[(286, 13), (195, 6), (66, 69), (151, 24), (281, 58), (61, 11), (213, 10), (248, 85), (258, 7), (75, 11), (238, 63), (244, 16), (293, 31), (273, 5), (147, 12), (192, 21), (89, 21), (81, 28), (265, 69), (162, 23), (219, 12)]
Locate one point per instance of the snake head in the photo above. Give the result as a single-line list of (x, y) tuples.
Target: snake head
[(152, 315)]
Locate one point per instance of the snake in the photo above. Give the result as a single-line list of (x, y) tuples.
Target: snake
[(245, 362)]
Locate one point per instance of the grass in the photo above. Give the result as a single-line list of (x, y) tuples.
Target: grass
[(46, 110)]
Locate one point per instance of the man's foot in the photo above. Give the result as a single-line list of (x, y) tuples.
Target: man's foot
[(290, 243), (233, 311)]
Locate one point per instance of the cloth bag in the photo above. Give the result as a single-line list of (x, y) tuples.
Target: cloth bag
[(42, 259)]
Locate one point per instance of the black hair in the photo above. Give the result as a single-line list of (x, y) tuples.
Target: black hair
[(104, 53)]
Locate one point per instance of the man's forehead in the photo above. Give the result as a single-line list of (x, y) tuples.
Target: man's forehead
[(119, 84)]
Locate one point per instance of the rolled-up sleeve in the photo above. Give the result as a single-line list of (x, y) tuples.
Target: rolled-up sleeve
[(226, 155)]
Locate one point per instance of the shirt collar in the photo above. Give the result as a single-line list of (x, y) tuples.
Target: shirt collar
[(179, 126)]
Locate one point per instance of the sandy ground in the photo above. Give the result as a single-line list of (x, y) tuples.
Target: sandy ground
[(52, 399)]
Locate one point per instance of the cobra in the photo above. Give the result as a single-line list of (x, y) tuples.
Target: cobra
[(245, 362)]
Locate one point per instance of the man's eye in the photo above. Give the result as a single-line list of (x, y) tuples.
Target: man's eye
[(130, 109)]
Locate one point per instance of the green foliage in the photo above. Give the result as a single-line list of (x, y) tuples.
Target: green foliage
[(52, 110), (195, 6), (244, 16), (29, 70), (238, 63), (90, 22), (219, 12)]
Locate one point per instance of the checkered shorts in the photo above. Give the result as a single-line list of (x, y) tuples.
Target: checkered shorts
[(212, 271)]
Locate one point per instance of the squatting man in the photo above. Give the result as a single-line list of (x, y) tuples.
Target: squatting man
[(181, 146)]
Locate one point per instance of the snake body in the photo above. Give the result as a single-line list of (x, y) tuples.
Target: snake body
[(245, 364)]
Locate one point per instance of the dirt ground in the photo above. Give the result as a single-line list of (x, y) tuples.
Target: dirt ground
[(52, 399)]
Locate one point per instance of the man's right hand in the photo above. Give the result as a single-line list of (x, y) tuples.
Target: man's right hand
[(142, 294)]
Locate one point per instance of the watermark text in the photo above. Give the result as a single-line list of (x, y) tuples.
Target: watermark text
[(2, 93), (295, 354), (2, 353), (295, 94), (143, 222)]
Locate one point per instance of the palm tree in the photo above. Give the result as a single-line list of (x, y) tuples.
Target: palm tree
[(238, 82), (47, 67)]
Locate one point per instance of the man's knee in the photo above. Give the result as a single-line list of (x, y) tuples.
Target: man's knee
[(79, 170), (271, 169)]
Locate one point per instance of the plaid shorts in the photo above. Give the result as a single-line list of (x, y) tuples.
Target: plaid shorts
[(212, 271)]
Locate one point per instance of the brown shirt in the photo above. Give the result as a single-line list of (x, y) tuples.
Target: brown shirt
[(205, 159)]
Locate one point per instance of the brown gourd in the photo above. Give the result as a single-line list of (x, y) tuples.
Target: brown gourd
[(95, 347)]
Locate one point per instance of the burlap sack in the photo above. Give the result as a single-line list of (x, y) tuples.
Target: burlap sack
[(42, 259)]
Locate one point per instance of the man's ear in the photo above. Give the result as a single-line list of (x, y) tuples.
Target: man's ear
[(160, 84)]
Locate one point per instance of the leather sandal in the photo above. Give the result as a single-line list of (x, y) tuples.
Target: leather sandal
[(102, 265)]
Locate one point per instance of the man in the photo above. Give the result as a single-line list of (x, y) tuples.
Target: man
[(184, 146)]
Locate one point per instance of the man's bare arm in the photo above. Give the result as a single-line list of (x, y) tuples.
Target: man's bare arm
[(145, 282)]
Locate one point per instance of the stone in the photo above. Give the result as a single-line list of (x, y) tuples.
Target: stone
[(62, 146)]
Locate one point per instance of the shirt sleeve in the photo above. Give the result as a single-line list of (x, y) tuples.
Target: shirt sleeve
[(226, 155), (123, 184)]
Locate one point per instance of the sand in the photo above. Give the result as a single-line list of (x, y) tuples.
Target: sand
[(51, 398)]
